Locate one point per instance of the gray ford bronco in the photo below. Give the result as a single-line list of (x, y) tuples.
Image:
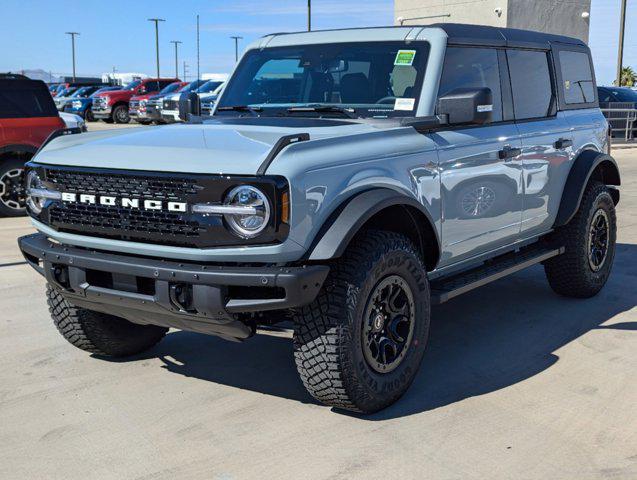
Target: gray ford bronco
[(345, 182)]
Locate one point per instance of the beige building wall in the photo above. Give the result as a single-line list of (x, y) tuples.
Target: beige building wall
[(551, 16)]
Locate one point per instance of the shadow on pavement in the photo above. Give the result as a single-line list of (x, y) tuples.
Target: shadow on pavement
[(484, 341)]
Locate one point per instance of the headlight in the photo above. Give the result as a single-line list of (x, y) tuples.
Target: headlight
[(37, 194), (246, 210)]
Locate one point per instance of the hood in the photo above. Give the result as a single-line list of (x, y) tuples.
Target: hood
[(216, 148), (116, 94)]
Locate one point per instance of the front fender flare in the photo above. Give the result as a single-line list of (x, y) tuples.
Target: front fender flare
[(344, 224), (583, 167)]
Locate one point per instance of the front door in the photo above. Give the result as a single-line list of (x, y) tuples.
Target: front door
[(480, 170)]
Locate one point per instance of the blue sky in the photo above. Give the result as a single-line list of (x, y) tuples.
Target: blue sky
[(115, 33)]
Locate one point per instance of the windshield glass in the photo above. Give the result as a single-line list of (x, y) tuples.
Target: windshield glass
[(374, 79), (192, 86), (173, 87), (209, 86), (132, 85), (81, 92), (67, 92)]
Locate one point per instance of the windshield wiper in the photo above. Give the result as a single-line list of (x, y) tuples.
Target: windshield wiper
[(348, 112), (240, 108)]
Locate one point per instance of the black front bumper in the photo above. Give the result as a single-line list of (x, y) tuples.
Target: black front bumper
[(197, 297)]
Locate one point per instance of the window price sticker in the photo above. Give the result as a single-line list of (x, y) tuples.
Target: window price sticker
[(405, 57)]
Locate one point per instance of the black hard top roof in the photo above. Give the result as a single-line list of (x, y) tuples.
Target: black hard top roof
[(501, 37)]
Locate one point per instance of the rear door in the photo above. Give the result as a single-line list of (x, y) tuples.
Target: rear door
[(480, 172), (545, 135)]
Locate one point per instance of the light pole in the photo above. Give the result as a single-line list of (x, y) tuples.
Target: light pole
[(72, 34), (176, 42), (620, 52), (309, 15), (236, 47), (157, 20)]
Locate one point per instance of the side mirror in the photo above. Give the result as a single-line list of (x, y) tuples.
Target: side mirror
[(189, 106), (467, 106)]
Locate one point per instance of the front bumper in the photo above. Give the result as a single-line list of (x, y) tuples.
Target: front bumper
[(170, 116), (102, 113), (138, 115), (148, 291)]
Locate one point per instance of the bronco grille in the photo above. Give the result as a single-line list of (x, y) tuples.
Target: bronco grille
[(125, 223), (136, 223), (171, 105)]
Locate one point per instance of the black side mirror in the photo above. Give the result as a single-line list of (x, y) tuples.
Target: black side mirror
[(189, 106), (467, 106)]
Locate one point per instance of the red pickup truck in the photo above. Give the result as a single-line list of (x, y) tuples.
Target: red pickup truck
[(27, 117), (113, 106)]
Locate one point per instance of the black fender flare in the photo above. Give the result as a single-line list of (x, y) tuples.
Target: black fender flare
[(583, 168), (18, 148), (347, 220)]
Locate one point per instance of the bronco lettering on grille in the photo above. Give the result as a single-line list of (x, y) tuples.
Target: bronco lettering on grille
[(124, 202)]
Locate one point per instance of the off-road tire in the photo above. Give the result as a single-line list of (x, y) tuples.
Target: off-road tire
[(100, 333), (7, 167), (88, 115), (328, 344), (115, 115), (571, 274)]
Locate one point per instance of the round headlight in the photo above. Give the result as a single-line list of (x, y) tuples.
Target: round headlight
[(36, 204), (257, 208)]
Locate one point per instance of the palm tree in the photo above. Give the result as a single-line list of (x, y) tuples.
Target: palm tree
[(629, 77)]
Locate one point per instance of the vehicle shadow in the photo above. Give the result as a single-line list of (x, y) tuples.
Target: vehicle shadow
[(486, 340)]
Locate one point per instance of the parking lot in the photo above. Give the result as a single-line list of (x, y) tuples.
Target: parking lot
[(517, 383)]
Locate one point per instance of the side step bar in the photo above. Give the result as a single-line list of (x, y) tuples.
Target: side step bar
[(445, 289)]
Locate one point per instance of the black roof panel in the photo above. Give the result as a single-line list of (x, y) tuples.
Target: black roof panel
[(465, 34)]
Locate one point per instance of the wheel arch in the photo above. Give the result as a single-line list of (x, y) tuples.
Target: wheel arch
[(383, 209), (7, 151), (589, 165)]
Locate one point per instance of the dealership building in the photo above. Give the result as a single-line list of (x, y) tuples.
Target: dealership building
[(569, 18)]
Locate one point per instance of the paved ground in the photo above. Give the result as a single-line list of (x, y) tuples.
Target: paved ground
[(517, 384), (99, 125)]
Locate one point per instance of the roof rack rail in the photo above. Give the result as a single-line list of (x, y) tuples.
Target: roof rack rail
[(13, 76)]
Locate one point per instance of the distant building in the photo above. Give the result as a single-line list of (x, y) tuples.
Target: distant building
[(119, 78), (569, 18), (217, 77)]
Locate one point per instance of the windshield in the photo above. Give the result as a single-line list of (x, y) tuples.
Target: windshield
[(173, 87), (132, 85), (209, 86), (81, 92), (67, 92), (371, 79), (192, 86)]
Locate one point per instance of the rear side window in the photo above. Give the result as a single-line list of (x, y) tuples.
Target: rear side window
[(577, 77), (530, 83), (25, 99), (466, 67)]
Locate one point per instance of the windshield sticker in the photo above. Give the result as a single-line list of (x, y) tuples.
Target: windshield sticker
[(404, 104), (405, 57)]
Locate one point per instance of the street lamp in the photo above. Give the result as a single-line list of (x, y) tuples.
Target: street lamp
[(176, 42), (157, 20), (620, 49), (236, 47), (309, 15), (72, 34)]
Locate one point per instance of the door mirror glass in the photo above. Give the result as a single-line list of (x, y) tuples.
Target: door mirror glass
[(467, 106)]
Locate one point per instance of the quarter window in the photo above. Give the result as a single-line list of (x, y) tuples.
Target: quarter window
[(466, 67), (577, 77), (530, 83)]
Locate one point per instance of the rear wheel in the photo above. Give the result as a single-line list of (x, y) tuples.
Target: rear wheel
[(12, 191), (589, 239), (120, 114), (358, 346), (100, 333)]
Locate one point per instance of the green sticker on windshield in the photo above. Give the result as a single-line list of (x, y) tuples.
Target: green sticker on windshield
[(405, 57)]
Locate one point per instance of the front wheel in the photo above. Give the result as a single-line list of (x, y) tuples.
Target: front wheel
[(120, 114), (358, 346), (589, 241), (88, 116), (12, 188)]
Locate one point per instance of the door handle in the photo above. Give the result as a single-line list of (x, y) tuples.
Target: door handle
[(509, 152), (563, 143)]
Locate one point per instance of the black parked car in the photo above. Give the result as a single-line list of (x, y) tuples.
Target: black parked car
[(620, 98)]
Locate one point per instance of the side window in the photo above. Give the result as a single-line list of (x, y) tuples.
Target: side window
[(467, 67), (530, 83), (152, 86), (577, 77)]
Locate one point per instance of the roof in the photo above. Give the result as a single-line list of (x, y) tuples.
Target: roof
[(501, 37), (457, 33)]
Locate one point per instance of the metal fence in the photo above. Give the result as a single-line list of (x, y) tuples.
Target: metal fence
[(622, 118)]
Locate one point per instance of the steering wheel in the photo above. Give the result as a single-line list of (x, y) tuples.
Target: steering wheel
[(386, 100)]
